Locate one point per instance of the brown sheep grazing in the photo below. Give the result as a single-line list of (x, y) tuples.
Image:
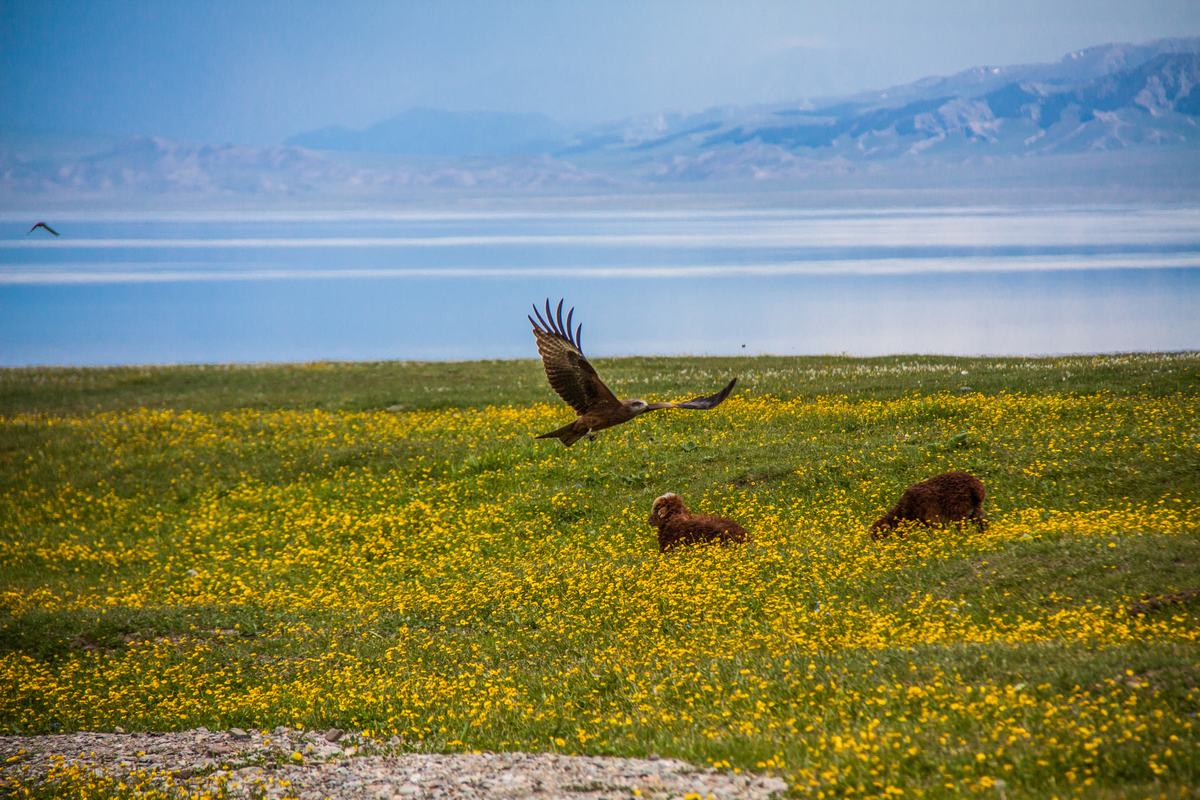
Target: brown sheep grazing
[(677, 526), (949, 497)]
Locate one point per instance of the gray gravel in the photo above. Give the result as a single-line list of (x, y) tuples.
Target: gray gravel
[(336, 765)]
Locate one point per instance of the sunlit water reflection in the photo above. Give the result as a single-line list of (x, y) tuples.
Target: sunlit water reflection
[(115, 289)]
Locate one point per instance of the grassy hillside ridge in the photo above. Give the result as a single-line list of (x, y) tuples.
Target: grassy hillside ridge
[(384, 547), (360, 386)]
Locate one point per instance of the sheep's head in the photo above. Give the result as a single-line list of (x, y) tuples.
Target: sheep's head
[(665, 507), (883, 526)]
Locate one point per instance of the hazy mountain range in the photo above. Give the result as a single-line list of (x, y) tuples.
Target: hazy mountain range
[(430, 132), (1105, 99)]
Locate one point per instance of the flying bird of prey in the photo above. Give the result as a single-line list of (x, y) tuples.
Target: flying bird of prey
[(42, 225), (576, 381)]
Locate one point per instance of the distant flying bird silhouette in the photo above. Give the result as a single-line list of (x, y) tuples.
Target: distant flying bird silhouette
[(42, 225), (576, 381)]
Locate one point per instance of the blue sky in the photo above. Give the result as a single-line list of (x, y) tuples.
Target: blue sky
[(258, 72)]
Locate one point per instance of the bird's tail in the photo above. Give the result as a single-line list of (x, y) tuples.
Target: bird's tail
[(566, 434)]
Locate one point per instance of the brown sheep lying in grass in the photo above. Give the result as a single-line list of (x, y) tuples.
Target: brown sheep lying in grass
[(677, 526), (949, 497)]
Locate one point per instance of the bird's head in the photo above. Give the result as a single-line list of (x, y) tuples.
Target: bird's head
[(636, 406)]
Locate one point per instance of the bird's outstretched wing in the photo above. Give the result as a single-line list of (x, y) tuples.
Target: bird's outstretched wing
[(569, 372), (42, 225), (701, 403)]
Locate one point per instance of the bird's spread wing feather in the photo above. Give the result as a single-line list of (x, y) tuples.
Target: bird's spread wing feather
[(569, 372), (701, 403)]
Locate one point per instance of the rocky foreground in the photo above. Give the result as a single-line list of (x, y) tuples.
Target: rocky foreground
[(308, 764)]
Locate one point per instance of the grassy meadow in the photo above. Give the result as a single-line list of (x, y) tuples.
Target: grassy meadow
[(384, 548)]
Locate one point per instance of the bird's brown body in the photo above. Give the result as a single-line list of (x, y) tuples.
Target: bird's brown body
[(678, 527), (575, 380), (945, 498), (591, 422)]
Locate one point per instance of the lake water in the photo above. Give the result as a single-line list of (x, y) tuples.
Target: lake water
[(120, 289)]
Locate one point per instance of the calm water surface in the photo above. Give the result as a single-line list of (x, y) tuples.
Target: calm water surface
[(115, 289)]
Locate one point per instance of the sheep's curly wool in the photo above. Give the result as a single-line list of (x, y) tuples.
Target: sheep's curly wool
[(677, 526), (949, 497)]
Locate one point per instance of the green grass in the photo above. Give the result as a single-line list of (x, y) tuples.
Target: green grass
[(432, 385), (379, 546)]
